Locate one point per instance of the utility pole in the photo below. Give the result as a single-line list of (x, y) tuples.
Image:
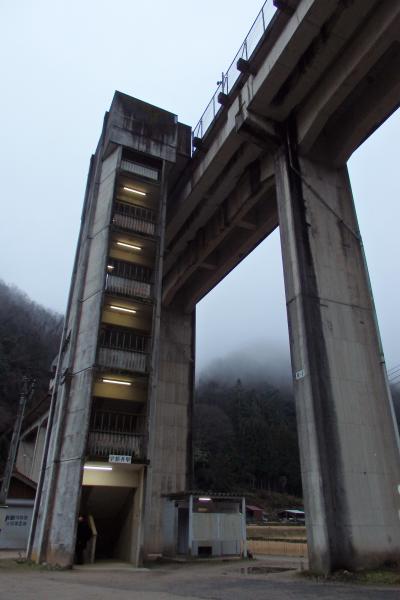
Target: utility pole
[(12, 453)]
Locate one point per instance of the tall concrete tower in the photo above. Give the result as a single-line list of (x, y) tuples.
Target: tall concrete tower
[(119, 422)]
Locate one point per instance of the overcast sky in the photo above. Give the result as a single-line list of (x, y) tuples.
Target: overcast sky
[(61, 62)]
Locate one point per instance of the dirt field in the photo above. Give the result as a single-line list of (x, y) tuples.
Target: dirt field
[(277, 548), (282, 540)]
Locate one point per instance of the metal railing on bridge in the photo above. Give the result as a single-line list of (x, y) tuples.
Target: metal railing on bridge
[(231, 75)]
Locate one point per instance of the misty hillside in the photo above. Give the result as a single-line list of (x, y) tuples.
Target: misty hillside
[(245, 432), (245, 438), (255, 364), (29, 340), (244, 421)]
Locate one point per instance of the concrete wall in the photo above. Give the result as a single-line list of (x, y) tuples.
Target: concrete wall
[(170, 527), (123, 546), (26, 453), (55, 537), (126, 476), (140, 128), (38, 454), (170, 422), (30, 452)]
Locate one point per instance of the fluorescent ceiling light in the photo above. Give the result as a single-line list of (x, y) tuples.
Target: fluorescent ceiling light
[(117, 381), (125, 245), (133, 191), (110, 267), (205, 499), (122, 309), (94, 468)]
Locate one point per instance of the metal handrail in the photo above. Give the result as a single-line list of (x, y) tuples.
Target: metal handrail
[(117, 338), (134, 211), (104, 443), (116, 284), (229, 78), (109, 421)]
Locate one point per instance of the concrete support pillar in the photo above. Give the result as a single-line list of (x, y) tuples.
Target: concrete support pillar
[(54, 541), (244, 530), (170, 419), (53, 535), (190, 526), (348, 438)]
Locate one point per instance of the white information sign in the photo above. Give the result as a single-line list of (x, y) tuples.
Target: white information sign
[(119, 458), (15, 522)]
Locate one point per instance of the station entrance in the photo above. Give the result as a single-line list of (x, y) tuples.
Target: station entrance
[(111, 511), (111, 505)]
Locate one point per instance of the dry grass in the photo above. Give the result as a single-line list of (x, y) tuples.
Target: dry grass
[(277, 548), (277, 532), (384, 576)]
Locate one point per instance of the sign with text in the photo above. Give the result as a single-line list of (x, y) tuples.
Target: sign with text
[(119, 458), (15, 522)]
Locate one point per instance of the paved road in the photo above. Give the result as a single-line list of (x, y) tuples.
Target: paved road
[(204, 581)]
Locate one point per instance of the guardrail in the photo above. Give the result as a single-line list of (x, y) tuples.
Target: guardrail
[(128, 287), (229, 78), (127, 360), (103, 443)]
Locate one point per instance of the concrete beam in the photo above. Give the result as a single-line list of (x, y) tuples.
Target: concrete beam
[(233, 249), (232, 211), (377, 34), (247, 225), (300, 32), (257, 129), (207, 195), (371, 102), (334, 29)]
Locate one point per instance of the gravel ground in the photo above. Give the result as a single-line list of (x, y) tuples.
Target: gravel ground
[(234, 580)]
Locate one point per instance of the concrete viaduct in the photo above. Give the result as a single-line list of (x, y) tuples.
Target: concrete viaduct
[(162, 226), (324, 76)]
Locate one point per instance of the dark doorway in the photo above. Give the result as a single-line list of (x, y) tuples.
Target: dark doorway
[(112, 511), (183, 530)]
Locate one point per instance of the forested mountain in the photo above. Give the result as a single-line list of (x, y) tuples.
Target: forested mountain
[(29, 340), (245, 438), (244, 432)]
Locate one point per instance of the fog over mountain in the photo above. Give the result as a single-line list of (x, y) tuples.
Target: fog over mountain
[(255, 364)]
